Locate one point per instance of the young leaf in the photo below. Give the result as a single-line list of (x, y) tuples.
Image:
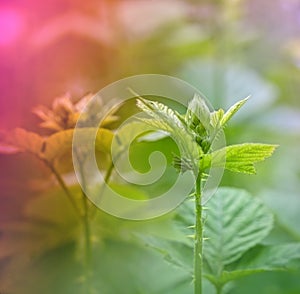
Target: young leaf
[(197, 112), (235, 223), (171, 122), (232, 110), (240, 158), (161, 112), (216, 117)]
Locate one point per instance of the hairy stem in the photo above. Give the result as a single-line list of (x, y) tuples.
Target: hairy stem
[(198, 239)]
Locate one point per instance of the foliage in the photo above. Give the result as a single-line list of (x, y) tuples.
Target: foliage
[(226, 240), (199, 128), (236, 225), (240, 158)]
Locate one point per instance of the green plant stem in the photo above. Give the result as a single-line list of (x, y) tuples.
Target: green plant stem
[(198, 239), (109, 172), (107, 176), (86, 230), (64, 187), (106, 180), (87, 242), (84, 218), (219, 289)]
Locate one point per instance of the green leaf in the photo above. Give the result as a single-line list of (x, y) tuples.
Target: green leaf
[(270, 257), (161, 112), (197, 112), (189, 149), (262, 259), (175, 252), (232, 110), (235, 223), (171, 122), (216, 117), (239, 158)]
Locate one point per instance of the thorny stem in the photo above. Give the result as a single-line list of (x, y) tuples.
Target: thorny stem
[(198, 239)]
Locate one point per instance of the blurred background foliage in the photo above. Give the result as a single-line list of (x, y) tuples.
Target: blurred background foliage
[(228, 49)]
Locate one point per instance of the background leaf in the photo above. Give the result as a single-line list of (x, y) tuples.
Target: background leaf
[(263, 258), (176, 246), (235, 223)]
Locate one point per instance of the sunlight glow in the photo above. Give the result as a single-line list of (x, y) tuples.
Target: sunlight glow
[(11, 26)]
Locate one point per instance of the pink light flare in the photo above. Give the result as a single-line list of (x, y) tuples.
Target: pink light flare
[(11, 26)]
